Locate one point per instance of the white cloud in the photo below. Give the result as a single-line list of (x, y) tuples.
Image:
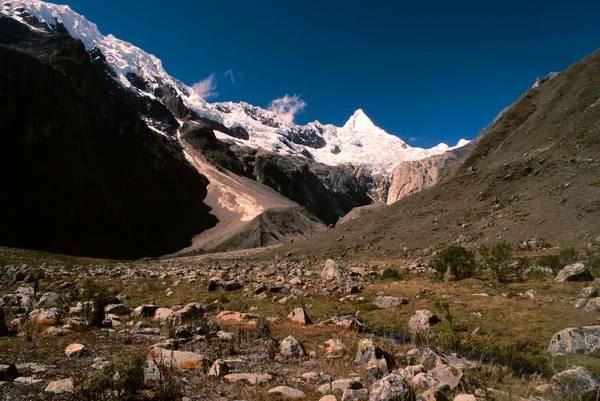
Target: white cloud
[(207, 87), (413, 139), (229, 74), (287, 107)]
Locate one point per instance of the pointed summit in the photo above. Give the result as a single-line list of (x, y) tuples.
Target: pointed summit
[(359, 122)]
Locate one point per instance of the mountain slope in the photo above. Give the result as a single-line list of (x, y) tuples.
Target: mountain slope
[(358, 142), (81, 172), (533, 174)]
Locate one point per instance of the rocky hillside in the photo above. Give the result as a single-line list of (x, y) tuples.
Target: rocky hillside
[(532, 175), (81, 172), (139, 79)]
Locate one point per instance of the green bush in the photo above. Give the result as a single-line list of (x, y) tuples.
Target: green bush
[(568, 255), (457, 260), (122, 380), (550, 261), (391, 274), (558, 261), (92, 292), (498, 258)]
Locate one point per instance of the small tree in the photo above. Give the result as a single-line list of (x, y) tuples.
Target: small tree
[(456, 260), (498, 258), (96, 294)]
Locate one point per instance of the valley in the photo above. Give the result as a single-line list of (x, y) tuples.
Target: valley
[(156, 246)]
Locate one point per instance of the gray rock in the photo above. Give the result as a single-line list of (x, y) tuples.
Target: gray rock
[(376, 369), (577, 340), (588, 292), (448, 375), (332, 271), (52, 300), (117, 309), (425, 381), (287, 392), (300, 316), (176, 359), (393, 387), (339, 386), (422, 320), (333, 348), (574, 272), (219, 369), (145, 311), (355, 395), (190, 312), (232, 285), (60, 386), (291, 347), (575, 381), (593, 305), (386, 301)]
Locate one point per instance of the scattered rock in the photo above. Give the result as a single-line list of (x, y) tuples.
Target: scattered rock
[(75, 350), (582, 340), (176, 359), (393, 387), (448, 375), (593, 305), (339, 386), (422, 320), (587, 292), (300, 316), (250, 378), (426, 381), (332, 271), (432, 395), (287, 392), (117, 309), (575, 381), (334, 348), (219, 368), (60, 386), (386, 301), (291, 347), (574, 272), (355, 395)]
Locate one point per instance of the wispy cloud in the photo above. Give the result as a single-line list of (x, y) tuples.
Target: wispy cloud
[(413, 139), (207, 87), (229, 74), (287, 107)]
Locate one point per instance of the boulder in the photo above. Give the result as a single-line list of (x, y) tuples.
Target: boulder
[(577, 340), (249, 378), (75, 350), (593, 305), (117, 309), (349, 322), (162, 314), (145, 311), (300, 316), (393, 387), (52, 300), (376, 369), (219, 368), (60, 386), (47, 317), (333, 348), (449, 375), (229, 317), (355, 395), (386, 301), (574, 272), (587, 292), (432, 395), (339, 386), (465, 397), (332, 271), (422, 320), (425, 381), (291, 347), (575, 381), (176, 359), (287, 393), (190, 312)]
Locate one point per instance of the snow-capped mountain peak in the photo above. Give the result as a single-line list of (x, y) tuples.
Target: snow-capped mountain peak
[(358, 142)]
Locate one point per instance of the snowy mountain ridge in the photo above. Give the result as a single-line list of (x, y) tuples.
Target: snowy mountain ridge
[(358, 142)]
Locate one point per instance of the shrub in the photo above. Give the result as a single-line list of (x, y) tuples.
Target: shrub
[(122, 380), (456, 260), (498, 258), (98, 295), (550, 261), (558, 261), (568, 255), (391, 274)]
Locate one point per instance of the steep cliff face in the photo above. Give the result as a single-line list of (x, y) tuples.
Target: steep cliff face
[(414, 176), (81, 172)]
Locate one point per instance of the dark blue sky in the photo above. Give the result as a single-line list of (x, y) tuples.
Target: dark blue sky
[(428, 70)]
